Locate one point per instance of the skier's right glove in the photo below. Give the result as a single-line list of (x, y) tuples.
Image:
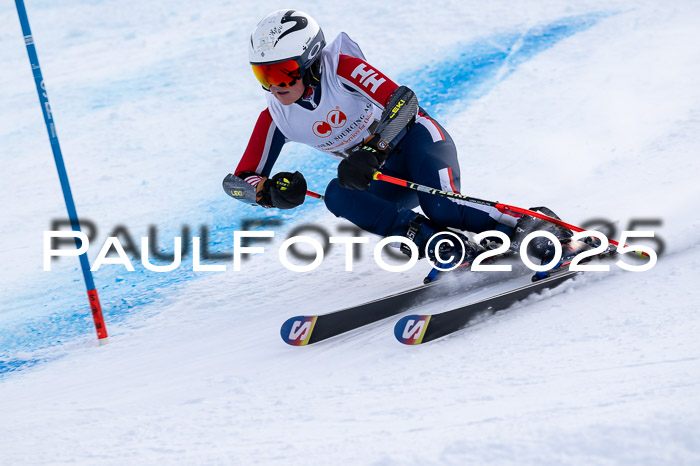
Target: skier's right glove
[(285, 190), (357, 170)]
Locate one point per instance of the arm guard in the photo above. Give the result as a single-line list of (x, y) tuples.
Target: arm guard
[(398, 116), (239, 189)]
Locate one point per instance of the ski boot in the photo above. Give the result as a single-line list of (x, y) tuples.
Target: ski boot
[(569, 250), (540, 245), (448, 249), (542, 248)]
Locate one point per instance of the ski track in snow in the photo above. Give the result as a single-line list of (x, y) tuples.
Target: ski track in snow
[(591, 109)]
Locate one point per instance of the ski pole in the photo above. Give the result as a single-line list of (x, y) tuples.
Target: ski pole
[(313, 194), (505, 208), (497, 205)]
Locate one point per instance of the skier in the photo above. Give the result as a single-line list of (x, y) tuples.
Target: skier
[(329, 98)]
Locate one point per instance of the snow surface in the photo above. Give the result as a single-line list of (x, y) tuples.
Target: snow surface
[(591, 108)]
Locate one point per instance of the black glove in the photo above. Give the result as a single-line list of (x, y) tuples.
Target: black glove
[(285, 190), (357, 170)]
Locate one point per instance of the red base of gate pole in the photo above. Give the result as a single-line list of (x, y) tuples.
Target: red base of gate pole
[(96, 309)]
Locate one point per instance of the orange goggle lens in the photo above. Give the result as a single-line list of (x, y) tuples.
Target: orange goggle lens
[(283, 74)]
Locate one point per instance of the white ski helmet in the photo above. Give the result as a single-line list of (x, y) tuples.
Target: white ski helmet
[(283, 47)]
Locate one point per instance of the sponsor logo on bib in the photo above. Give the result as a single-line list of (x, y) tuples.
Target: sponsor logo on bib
[(335, 119)]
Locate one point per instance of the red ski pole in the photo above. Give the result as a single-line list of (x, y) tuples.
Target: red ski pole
[(505, 208), (313, 194), (497, 205)]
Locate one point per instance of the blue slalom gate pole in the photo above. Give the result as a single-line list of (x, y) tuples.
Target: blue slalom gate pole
[(62, 174)]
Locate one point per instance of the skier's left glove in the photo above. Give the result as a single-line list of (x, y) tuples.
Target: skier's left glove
[(357, 170), (285, 190)]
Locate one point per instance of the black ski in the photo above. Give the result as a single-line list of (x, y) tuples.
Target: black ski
[(305, 330), (422, 328)]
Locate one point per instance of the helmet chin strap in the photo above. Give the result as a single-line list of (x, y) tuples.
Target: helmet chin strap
[(312, 77)]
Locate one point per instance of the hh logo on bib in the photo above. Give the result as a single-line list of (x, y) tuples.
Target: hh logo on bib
[(334, 119)]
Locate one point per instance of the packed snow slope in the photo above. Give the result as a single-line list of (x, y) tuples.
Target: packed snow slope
[(589, 108)]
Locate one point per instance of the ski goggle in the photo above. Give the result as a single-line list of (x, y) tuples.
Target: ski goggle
[(284, 74)]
